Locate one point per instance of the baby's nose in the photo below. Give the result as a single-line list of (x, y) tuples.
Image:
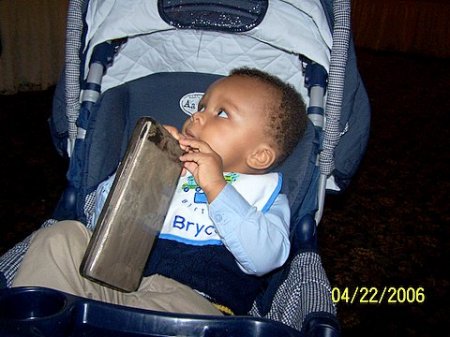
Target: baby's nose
[(197, 117)]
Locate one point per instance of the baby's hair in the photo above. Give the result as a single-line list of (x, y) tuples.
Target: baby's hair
[(286, 119)]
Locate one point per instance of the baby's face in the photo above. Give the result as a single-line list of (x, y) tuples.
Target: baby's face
[(231, 119)]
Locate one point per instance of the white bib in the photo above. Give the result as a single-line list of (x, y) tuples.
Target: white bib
[(188, 220)]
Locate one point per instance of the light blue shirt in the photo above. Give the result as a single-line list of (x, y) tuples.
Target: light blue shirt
[(258, 240)]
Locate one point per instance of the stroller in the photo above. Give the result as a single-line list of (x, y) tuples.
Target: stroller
[(126, 60)]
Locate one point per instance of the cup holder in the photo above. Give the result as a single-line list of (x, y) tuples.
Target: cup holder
[(29, 304)]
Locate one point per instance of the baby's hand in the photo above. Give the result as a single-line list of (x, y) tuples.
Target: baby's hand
[(205, 165), (173, 131), (177, 135)]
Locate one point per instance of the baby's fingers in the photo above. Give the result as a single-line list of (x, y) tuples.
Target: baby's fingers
[(190, 156), (195, 145), (183, 172), (177, 135), (173, 131)]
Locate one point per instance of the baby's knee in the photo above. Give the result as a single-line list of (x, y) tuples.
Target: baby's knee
[(65, 233)]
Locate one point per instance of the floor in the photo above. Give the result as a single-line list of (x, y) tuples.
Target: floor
[(390, 230)]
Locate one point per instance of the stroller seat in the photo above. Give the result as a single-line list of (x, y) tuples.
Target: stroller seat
[(164, 62)]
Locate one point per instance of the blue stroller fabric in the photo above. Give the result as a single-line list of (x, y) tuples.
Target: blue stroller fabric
[(299, 292)]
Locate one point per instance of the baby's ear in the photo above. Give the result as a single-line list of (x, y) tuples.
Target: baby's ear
[(262, 157)]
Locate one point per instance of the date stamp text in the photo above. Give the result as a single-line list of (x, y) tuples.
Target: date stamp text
[(378, 295)]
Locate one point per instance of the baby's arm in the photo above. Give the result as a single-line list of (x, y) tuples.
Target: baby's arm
[(259, 241)]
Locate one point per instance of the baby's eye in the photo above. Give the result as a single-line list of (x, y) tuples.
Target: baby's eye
[(222, 114)]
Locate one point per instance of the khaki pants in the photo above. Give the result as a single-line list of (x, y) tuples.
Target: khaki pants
[(53, 260)]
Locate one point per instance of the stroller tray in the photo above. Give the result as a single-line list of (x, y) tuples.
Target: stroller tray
[(36, 311)]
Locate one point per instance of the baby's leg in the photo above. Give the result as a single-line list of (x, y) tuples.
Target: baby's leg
[(54, 257), (160, 293), (53, 261)]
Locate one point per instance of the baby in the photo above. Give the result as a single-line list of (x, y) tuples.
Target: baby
[(228, 223)]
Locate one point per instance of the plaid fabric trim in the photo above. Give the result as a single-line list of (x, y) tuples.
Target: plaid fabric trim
[(72, 64), (305, 290), (89, 204), (338, 62)]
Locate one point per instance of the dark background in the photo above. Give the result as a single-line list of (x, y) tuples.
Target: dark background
[(389, 229)]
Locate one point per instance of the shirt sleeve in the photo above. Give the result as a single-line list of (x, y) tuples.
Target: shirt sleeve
[(100, 198), (259, 241)]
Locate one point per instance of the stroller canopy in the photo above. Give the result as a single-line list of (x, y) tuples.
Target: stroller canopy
[(287, 30)]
